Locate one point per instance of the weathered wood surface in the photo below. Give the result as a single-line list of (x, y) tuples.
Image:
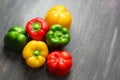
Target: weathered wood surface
[(94, 45)]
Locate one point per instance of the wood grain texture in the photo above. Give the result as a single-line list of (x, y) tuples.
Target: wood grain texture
[(94, 45)]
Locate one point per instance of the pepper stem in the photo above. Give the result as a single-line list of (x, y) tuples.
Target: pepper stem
[(36, 52), (36, 26), (58, 34)]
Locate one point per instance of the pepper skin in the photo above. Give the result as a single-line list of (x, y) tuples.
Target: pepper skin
[(57, 37), (37, 28), (16, 38), (35, 53), (59, 15), (59, 62)]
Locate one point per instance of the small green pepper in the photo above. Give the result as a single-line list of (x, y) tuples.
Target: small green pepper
[(57, 36), (15, 39)]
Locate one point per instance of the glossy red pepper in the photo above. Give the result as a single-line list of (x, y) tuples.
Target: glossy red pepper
[(59, 62), (37, 28)]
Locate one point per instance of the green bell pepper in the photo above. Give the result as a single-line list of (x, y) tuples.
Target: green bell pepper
[(57, 36), (16, 38)]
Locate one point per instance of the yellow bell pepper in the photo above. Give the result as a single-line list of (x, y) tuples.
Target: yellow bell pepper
[(59, 15), (35, 53)]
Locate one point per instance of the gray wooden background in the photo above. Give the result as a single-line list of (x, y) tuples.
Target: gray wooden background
[(94, 45)]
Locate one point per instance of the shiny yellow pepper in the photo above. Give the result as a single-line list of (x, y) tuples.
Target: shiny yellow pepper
[(35, 53), (59, 15)]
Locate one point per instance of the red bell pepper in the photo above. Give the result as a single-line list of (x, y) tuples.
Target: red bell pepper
[(59, 62), (37, 28)]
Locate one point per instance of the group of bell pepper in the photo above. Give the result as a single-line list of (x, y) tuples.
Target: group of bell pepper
[(42, 41)]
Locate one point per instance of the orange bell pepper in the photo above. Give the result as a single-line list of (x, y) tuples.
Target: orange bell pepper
[(59, 15), (35, 53)]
